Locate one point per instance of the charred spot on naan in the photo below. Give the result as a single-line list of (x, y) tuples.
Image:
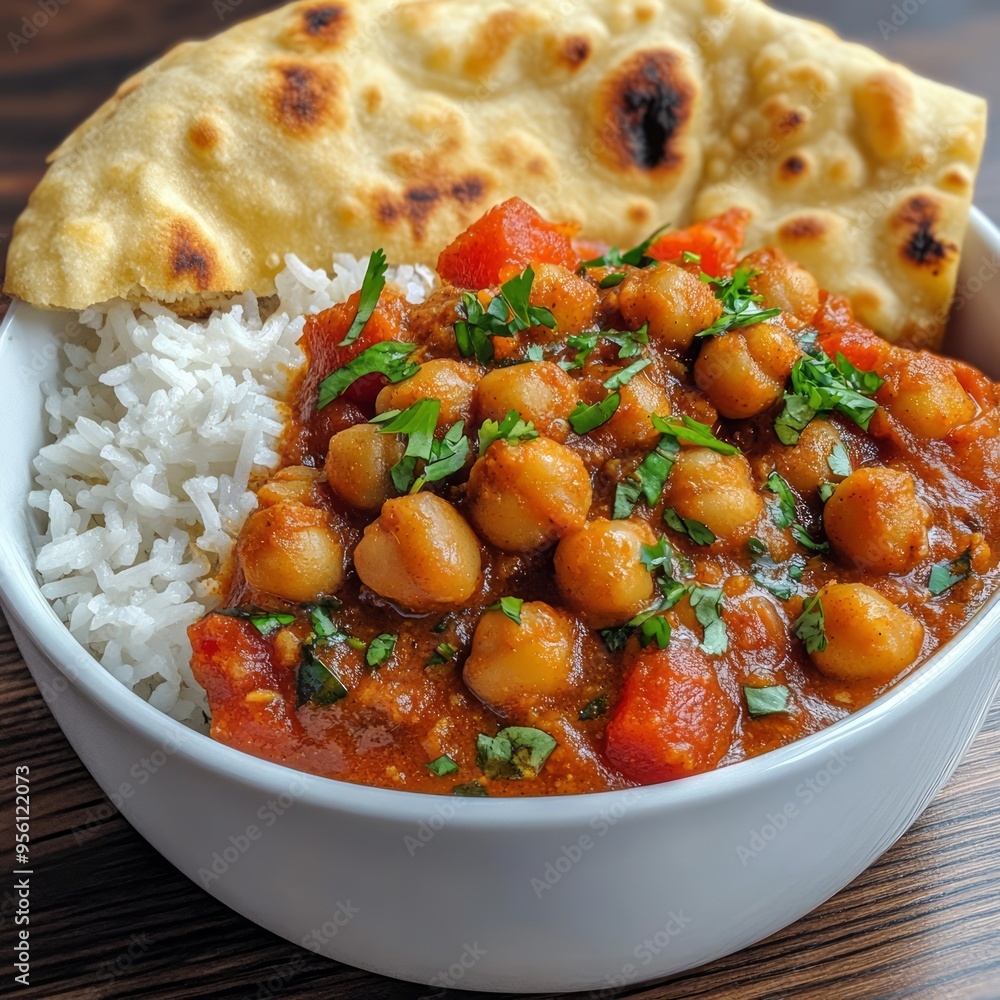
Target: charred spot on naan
[(192, 262), (793, 168), (921, 245), (321, 26), (643, 110), (419, 200), (305, 97)]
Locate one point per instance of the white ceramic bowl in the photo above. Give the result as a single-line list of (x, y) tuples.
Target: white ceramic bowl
[(585, 892)]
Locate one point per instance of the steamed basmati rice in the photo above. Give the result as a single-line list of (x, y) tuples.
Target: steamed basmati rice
[(160, 424)]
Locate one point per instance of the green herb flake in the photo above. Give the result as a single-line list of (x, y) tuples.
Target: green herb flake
[(707, 605), (688, 429), (510, 606), (826, 491), (739, 303), (442, 766), (594, 709), (625, 375), (756, 547), (371, 289), (380, 649), (613, 279), (689, 257), (514, 753), (810, 626), (945, 575), (585, 419), (806, 540), (472, 790), (443, 625), (636, 256), (766, 700), (512, 428), (699, 533), (388, 358), (418, 423), (782, 513), (316, 683), (839, 460), (444, 652), (648, 480), (656, 629)]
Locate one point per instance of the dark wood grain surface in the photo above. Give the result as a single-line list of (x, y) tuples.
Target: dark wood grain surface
[(113, 919)]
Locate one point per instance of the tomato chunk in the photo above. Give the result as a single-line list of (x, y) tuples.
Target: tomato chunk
[(717, 241), (511, 235), (840, 332), (673, 718)]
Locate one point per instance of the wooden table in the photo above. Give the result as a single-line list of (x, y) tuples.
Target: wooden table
[(113, 919)]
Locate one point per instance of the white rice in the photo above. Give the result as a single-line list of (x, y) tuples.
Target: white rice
[(158, 425)]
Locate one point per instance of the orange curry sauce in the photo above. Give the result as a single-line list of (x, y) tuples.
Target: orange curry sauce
[(922, 492)]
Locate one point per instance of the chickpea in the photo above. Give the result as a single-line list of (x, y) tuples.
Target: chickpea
[(420, 553), (716, 490), (783, 284), (523, 496), (599, 570), (744, 373), (358, 464), (292, 551), (675, 304), (875, 520), (630, 427), (805, 466), (540, 391), (572, 300), (450, 382), (923, 394), (512, 667), (294, 482), (867, 637)]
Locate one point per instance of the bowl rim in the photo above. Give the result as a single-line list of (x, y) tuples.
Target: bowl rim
[(25, 606)]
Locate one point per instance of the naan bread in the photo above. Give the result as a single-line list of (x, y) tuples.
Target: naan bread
[(349, 125)]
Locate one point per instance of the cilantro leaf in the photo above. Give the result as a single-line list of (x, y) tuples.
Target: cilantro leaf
[(739, 303), (839, 460), (266, 622), (707, 605), (388, 358), (613, 280), (444, 765), (766, 700), (448, 455), (810, 626), (648, 479), (511, 428), (514, 753), (826, 491), (472, 790), (806, 540), (636, 256), (945, 575), (444, 652), (629, 344), (594, 709), (692, 431), (316, 683), (510, 606), (586, 418), (624, 375), (418, 423), (380, 649), (699, 533), (783, 513), (793, 419), (371, 289), (756, 547)]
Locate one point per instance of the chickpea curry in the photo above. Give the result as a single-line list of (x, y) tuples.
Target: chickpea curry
[(587, 518)]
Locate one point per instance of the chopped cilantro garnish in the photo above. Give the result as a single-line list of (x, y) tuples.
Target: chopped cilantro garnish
[(648, 479), (688, 429), (511, 428), (782, 513), (371, 289), (636, 256), (443, 625), (839, 460), (624, 375), (388, 358), (510, 606), (472, 790), (317, 684), (756, 547), (945, 575), (535, 352), (777, 578), (443, 653), (689, 257), (656, 629), (515, 752), (586, 418), (699, 533), (594, 709), (819, 386), (629, 343), (418, 423), (810, 626), (739, 303), (380, 649), (766, 700), (324, 627), (442, 766), (826, 491), (613, 279), (508, 314), (806, 540), (266, 622), (707, 605)]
